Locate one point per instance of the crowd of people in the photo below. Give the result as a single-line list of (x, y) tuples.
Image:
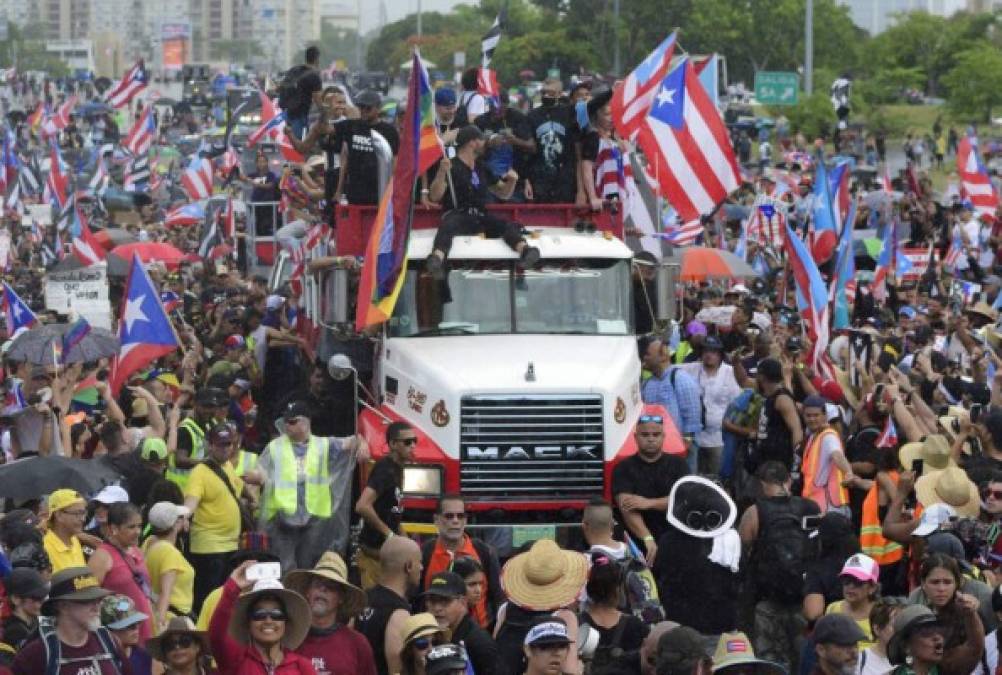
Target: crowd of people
[(830, 520)]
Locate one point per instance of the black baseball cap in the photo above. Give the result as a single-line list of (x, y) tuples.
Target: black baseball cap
[(446, 585), (368, 99), (25, 582), (296, 409)]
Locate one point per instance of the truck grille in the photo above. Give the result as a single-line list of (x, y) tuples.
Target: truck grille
[(541, 447)]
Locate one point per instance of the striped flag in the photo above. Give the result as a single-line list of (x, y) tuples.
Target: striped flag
[(888, 438), (273, 126), (975, 184), (492, 37), (955, 251), (844, 283), (128, 87), (812, 300), (99, 181), (184, 215), (137, 174), (54, 124), (16, 312), (85, 246), (197, 179), (385, 263), (57, 182), (687, 141), (141, 135), (74, 336), (632, 101), (36, 118)]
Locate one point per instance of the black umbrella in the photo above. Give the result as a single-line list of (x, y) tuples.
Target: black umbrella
[(36, 476), (39, 345)]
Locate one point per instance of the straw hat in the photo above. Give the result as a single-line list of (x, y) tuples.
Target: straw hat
[(842, 377), (297, 625), (949, 486), (418, 626), (330, 567), (934, 452), (734, 649), (982, 308), (178, 625), (545, 577)]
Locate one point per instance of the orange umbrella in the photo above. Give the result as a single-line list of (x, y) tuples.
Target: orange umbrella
[(700, 263)]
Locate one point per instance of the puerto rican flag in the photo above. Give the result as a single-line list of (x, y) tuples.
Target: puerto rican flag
[(975, 185), (686, 140), (197, 179), (99, 181), (273, 126), (632, 101), (170, 300), (888, 438), (57, 182), (86, 247), (16, 312), (141, 135), (54, 124), (144, 330), (812, 301), (128, 87), (185, 215)]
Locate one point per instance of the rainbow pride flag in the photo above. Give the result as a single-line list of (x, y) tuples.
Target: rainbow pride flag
[(385, 264)]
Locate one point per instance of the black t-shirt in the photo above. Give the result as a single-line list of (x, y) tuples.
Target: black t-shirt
[(362, 179), (694, 591), (981, 468), (551, 169), (589, 145), (380, 604), (653, 480), (632, 637), (822, 578), (470, 186), (307, 84), (387, 480)]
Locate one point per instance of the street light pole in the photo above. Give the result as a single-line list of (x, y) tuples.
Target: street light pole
[(616, 63), (809, 48), (419, 20)]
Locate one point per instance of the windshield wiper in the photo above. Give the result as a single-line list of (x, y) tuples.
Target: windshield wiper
[(444, 330)]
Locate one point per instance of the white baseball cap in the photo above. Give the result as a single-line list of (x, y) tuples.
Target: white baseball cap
[(163, 515), (932, 518), (111, 494)]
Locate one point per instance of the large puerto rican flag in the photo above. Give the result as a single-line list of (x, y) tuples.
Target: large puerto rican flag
[(197, 179), (687, 143), (141, 135), (974, 181), (128, 87), (631, 102)]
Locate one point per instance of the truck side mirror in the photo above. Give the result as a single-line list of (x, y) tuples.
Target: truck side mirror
[(667, 277)]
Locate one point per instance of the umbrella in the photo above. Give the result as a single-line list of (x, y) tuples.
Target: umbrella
[(34, 476), (94, 108), (700, 263), (117, 267), (150, 251), (113, 236), (39, 345), (163, 100)]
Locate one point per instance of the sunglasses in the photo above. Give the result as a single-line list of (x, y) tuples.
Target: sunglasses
[(294, 420), (407, 441), (645, 419), (453, 516), (180, 642), (708, 520), (421, 643), (264, 614), (994, 494)]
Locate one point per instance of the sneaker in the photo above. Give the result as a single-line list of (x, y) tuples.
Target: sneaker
[(529, 256), (435, 267)]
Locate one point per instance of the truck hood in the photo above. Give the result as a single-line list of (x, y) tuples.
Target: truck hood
[(499, 363)]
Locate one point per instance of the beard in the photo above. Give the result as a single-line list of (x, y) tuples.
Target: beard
[(94, 624)]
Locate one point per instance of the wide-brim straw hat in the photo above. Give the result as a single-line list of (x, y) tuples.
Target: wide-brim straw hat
[(842, 377), (419, 626), (934, 451), (298, 618), (982, 308), (950, 486), (178, 625), (735, 649), (545, 578), (330, 567)]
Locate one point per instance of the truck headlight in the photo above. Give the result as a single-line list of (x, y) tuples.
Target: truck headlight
[(422, 480)]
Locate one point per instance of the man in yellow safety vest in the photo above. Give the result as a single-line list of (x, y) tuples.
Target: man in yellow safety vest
[(210, 406), (298, 473)]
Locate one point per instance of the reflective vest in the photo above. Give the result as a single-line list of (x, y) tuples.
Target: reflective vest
[(683, 350), (282, 487), (832, 494), (180, 476), (246, 461), (871, 541)]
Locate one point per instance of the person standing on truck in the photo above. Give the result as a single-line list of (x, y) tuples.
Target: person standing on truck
[(462, 189), (297, 90), (333, 110), (676, 390), (358, 179), (642, 482), (552, 167), (379, 504)]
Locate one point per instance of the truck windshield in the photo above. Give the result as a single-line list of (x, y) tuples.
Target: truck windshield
[(588, 297)]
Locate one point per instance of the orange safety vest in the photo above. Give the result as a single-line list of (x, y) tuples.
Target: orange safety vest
[(871, 539), (832, 494)]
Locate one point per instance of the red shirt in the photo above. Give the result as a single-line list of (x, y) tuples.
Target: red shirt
[(31, 659), (441, 561), (343, 652)]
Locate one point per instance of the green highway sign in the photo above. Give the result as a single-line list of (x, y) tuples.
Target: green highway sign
[(776, 88)]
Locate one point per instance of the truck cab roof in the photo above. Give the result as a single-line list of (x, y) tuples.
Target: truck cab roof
[(552, 242)]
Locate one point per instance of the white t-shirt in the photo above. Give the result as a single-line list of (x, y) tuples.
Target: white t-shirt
[(991, 655), (871, 663), (829, 444), (614, 553), (718, 391), (971, 229), (475, 104)]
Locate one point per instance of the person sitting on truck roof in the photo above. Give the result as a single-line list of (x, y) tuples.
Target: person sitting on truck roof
[(462, 190)]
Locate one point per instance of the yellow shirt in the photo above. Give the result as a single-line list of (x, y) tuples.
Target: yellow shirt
[(215, 525), (838, 607), (62, 556), (162, 557), (208, 607)]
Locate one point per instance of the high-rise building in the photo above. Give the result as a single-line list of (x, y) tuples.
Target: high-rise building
[(876, 16), (21, 12), (282, 29)]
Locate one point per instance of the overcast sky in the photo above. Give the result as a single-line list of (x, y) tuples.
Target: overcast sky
[(398, 9)]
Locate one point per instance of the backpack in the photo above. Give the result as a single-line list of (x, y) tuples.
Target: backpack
[(702, 406), (289, 95), (53, 650), (640, 591), (782, 551)]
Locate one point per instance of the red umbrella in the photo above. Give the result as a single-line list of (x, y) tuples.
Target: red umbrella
[(150, 251)]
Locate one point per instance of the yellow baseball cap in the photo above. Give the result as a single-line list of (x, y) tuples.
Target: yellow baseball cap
[(63, 499)]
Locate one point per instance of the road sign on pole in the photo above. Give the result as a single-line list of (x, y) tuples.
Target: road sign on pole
[(776, 88)]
